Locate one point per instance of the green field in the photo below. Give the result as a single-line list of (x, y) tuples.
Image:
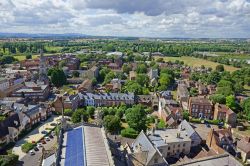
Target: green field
[(196, 62), (23, 57), (232, 55)]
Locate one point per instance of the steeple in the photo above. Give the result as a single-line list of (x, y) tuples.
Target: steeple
[(42, 68)]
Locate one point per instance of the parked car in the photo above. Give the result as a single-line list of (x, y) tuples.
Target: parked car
[(44, 132), (51, 136), (47, 138), (53, 124), (33, 142), (36, 149), (39, 145), (53, 133), (31, 152), (43, 142)]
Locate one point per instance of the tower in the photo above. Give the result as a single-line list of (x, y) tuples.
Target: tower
[(42, 68)]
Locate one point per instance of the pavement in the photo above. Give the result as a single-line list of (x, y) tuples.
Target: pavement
[(33, 160), (34, 135)]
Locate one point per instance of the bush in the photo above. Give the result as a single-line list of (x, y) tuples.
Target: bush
[(26, 147), (68, 112), (215, 122), (129, 133), (161, 124), (193, 120)]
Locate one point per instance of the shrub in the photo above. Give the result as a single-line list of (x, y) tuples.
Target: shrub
[(193, 120), (26, 147), (129, 133), (161, 124), (215, 122)]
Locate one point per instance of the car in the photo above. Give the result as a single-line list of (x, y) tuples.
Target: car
[(47, 138), (53, 124), (43, 142), (33, 142), (39, 145), (36, 149), (53, 133), (51, 136), (44, 132), (31, 152), (208, 125)]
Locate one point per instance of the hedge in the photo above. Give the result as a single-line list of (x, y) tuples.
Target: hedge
[(26, 147), (215, 122), (129, 133), (192, 120)]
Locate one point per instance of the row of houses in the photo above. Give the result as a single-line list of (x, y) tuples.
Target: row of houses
[(20, 117)]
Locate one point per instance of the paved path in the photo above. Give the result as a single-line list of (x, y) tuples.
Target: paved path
[(34, 135)]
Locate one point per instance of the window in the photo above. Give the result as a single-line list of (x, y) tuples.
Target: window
[(169, 148), (184, 145), (178, 145), (155, 160)]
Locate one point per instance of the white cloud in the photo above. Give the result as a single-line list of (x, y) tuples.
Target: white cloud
[(153, 18)]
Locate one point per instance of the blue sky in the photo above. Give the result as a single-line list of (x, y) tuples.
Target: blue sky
[(144, 18)]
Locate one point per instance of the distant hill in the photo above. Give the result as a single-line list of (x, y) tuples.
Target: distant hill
[(42, 35)]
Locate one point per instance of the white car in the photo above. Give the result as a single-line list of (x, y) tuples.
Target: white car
[(47, 138), (39, 145), (31, 152)]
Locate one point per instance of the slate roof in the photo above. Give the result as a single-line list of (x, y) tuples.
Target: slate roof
[(11, 121), (109, 96)]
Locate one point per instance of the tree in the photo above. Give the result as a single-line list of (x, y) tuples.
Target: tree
[(161, 124), (141, 68), (75, 74), (68, 112), (8, 160), (238, 87), (91, 111), (165, 81), (62, 64), (28, 56), (230, 102), (219, 68), (136, 118), (193, 92), (78, 115), (58, 78), (109, 77), (133, 87), (186, 115), (246, 107), (7, 59), (126, 68), (112, 123), (218, 98), (225, 88), (142, 79)]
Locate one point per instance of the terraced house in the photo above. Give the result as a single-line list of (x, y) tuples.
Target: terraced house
[(108, 99)]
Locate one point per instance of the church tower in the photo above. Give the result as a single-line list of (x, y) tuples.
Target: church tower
[(42, 68)]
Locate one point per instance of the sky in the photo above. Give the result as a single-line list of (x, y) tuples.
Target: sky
[(139, 18)]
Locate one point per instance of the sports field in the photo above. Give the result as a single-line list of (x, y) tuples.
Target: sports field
[(197, 62)]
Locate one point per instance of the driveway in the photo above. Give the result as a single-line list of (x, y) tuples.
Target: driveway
[(34, 135)]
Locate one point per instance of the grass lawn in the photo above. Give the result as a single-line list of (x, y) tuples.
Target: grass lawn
[(67, 89), (23, 57), (196, 62), (174, 93)]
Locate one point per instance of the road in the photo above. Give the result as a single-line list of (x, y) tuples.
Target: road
[(34, 135), (34, 160)]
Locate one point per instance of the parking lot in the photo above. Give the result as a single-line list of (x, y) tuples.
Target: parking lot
[(35, 135), (32, 160)]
